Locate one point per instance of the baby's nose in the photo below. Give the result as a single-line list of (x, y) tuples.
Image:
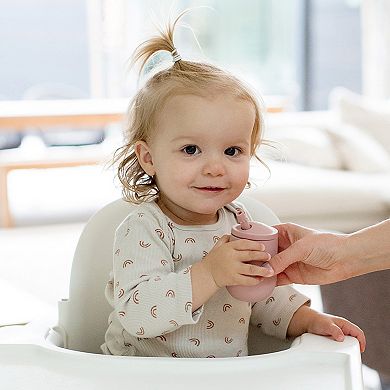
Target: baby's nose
[(214, 167)]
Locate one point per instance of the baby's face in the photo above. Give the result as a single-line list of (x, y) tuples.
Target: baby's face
[(200, 153)]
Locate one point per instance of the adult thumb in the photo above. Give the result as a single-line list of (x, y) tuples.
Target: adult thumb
[(283, 259)]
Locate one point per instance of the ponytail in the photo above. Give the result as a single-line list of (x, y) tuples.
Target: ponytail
[(163, 41)]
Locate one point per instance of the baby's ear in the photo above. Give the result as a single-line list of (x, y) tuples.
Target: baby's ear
[(144, 156)]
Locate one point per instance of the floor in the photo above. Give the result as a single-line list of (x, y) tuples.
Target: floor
[(35, 264), (36, 255)]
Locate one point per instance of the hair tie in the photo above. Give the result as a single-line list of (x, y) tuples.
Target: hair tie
[(175, 55)]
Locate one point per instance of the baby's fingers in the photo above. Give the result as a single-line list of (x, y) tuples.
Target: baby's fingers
[(255, 270), (223, 240), (336, 333), (253, 255), (243, 280), (326, 326), (353, 330), (247, 245)]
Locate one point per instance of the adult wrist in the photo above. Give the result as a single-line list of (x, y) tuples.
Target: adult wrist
[(349, 255), (371, 248)]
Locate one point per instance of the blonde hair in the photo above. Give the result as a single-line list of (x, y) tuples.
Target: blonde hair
[(183, 77)]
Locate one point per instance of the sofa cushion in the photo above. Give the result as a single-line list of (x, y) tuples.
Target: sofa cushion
[(357, 150), (368, 114), (303, 145), (328, 143)]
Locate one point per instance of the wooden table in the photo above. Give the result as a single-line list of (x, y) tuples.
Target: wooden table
[(16, 116)]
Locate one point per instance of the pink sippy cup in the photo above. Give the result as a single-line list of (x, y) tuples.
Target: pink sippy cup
[(268, 236)]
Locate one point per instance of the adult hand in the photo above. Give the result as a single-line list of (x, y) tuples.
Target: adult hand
[(307, 256)]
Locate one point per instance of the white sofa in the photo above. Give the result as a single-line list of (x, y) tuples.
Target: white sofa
[(335, 169)]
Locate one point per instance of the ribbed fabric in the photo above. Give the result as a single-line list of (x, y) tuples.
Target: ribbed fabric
[(279, 309), (151, 293)]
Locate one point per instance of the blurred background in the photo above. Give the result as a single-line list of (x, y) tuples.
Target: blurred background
[(297, 49)]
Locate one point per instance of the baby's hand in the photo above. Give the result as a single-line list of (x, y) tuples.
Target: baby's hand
[(334, 327), (226, 262)]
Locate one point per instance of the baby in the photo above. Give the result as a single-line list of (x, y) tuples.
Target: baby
[(193, 129)]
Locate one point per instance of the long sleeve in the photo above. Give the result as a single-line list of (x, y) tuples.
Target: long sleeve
[(150, 298), (274, 314)]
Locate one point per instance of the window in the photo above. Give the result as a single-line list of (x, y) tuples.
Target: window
[(256, 40), (281, 47)]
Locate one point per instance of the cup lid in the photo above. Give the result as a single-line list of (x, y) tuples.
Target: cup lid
[(258, 231)]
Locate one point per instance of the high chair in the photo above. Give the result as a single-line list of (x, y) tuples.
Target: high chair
[(67, 355)]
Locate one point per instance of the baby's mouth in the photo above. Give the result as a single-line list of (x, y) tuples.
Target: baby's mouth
[(210, 189)]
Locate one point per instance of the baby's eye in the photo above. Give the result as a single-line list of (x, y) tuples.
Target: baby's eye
[(191, 149), (232, 151)]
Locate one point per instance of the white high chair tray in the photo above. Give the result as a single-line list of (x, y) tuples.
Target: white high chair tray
[(39, 367)]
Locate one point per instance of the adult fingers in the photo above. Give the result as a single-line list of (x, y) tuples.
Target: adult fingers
[(285, 258), (283, 236), (288, 233)]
